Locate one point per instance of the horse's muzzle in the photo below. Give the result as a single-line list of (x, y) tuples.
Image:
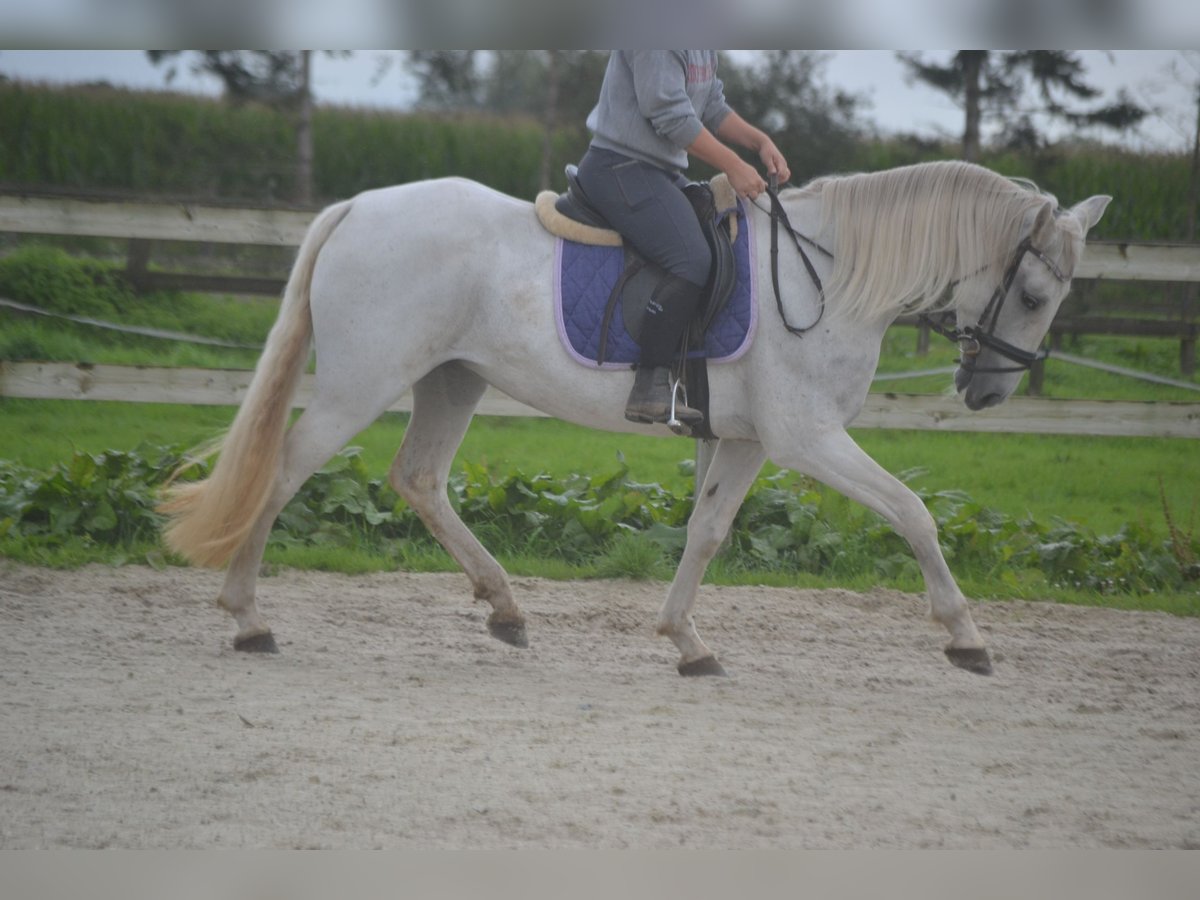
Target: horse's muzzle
[(976, 402), (975, 394)]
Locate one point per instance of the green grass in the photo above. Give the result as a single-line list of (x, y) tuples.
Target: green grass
[(40, 340), (1100, 484), (1064, 380), (39, 432), (422, 558)]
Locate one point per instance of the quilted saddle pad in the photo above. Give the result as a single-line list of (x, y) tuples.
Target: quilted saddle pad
[(584, 276)]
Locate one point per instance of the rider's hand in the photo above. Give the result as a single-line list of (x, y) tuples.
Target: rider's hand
[(745, 180), (774, 161)]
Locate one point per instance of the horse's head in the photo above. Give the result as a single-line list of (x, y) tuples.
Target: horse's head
[(1001, 325)]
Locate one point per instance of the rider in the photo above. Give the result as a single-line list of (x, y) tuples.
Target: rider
[(655, 108)]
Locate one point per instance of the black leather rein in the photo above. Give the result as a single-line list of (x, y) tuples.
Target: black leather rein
[(778, 215)]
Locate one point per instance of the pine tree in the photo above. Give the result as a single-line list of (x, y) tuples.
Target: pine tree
[(995, 84)]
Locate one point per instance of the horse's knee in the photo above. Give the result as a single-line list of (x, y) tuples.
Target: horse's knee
[(918, 527), (705, 538)]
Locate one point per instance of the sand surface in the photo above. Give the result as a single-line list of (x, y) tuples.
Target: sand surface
[(392, 719)]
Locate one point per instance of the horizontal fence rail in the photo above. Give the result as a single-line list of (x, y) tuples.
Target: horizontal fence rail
[(140, 221), (154, 221), (181, 221), (218, 387), (1122, 261)]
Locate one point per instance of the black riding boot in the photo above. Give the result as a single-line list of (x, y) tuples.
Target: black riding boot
[(650, 399), (667, 317)]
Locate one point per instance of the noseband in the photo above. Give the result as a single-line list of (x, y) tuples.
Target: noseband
[(974, 338)]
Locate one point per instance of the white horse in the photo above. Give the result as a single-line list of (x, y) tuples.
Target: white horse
[(444, 287)]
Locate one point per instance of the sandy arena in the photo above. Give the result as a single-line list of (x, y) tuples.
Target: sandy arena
[(392, 719)]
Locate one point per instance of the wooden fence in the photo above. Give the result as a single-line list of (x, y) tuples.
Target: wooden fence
[(217, 387), (139, 222)]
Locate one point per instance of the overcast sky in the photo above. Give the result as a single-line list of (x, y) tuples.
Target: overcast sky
[(894, 104)]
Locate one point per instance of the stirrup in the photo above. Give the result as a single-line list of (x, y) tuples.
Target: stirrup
[(673, 422)]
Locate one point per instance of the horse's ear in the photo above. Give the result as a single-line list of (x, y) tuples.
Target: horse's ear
[(1089, 211), (1038, 219)]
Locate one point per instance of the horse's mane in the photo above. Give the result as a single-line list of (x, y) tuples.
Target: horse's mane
[(902, 237)]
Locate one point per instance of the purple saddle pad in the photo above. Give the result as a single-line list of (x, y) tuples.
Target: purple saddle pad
[(584, 276)]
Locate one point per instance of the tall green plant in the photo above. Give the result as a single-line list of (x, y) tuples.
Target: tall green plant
[(157, 143), (785, 525)]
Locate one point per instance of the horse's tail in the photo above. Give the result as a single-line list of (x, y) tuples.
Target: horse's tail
[(209, 520)]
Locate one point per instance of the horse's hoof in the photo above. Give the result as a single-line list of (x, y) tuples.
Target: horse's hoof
[(705, 665), (258, 643), (973, 659), (509, 632)]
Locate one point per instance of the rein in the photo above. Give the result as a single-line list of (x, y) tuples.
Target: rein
[(779, 215)]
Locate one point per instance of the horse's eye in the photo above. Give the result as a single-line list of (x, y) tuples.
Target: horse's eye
[(1031, 302)]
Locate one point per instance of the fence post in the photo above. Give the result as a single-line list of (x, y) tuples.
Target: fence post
[(137, 262), (922, 339), (1187, 346), (1037, 378), (1037, 372), (704, 454)]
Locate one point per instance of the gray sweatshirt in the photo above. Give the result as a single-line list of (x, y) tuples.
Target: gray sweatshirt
[(653, 104)]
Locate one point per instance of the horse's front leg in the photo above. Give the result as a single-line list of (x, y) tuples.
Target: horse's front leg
[(837, 461), (730, 474)]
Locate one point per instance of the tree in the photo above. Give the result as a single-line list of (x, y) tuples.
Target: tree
[(274, 77), (508, 81), (1186, 70), (446, 79), (556, 87), (304, 138), (282, 79), (989, 83), (781, 91)]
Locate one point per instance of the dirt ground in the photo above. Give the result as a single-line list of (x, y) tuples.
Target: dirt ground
[(392, 719)]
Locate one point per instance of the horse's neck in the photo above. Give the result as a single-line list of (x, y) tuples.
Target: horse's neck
[(841, 352), (784, 278)]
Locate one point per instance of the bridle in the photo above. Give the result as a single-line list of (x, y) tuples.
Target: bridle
[(972, 339)]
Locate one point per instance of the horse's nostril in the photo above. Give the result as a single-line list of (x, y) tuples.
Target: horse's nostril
[(976, 403)]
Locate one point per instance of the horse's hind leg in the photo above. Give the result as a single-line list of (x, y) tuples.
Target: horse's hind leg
[(322, 430), (443, 403), (730, 474)]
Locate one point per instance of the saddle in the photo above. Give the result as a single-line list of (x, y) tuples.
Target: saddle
[(571, 216)]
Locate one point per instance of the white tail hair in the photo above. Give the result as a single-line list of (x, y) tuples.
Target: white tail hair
[(209, 520), (902, 237)]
